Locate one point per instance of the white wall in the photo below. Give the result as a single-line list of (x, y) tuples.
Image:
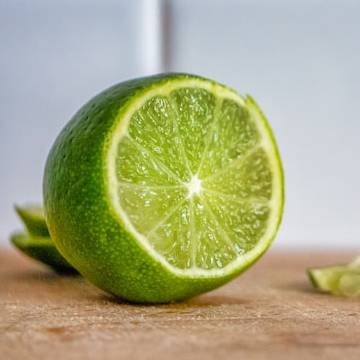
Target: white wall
[(300, 60), (54, 56)]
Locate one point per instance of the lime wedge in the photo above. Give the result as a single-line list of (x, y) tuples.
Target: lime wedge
[(338, 280), (327, 278), (33, 219), (164, 187), (349, 284), (41, 249)]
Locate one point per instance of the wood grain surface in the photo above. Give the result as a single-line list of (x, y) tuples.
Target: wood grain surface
[(270, 312)]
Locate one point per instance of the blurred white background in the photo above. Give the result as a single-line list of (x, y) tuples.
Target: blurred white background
[(299, 59)]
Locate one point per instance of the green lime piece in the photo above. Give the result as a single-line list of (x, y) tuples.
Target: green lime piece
[(37, 243), (338, 280), (33, 219), (327, 278), (41, 249), (164, 187), (349, 284)]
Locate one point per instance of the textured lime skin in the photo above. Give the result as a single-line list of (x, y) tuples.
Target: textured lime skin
[(81, 219)]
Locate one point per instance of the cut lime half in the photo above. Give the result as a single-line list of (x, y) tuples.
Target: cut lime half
[(195, 176), (164, 187)]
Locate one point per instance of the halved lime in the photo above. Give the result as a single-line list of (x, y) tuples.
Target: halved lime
[(41, 249), (338, 280), (34, 219), (164, 187)]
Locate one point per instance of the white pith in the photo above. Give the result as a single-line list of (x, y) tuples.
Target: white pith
[(194, 186)]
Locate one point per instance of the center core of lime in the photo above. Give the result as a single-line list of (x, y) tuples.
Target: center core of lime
[(193, 186)]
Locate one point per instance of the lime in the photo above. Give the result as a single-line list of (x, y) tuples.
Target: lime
[(43, 250), (349, 284), (164, 187), (338, 280), (327, 278), (37, 242), (33, 219)]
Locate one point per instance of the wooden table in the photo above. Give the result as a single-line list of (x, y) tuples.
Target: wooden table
[(270, 312)]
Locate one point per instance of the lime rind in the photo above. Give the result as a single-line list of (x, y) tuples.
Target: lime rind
[(267, 142)]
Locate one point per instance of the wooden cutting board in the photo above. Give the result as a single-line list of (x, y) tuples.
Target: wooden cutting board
[(270, 312)]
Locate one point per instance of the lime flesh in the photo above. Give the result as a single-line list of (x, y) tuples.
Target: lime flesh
[(196, 178), (164, 187)]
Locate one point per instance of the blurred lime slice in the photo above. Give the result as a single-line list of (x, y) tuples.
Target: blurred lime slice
[(36, 242), (338, 280), (349, 284), (41, 249), (33, 218)]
